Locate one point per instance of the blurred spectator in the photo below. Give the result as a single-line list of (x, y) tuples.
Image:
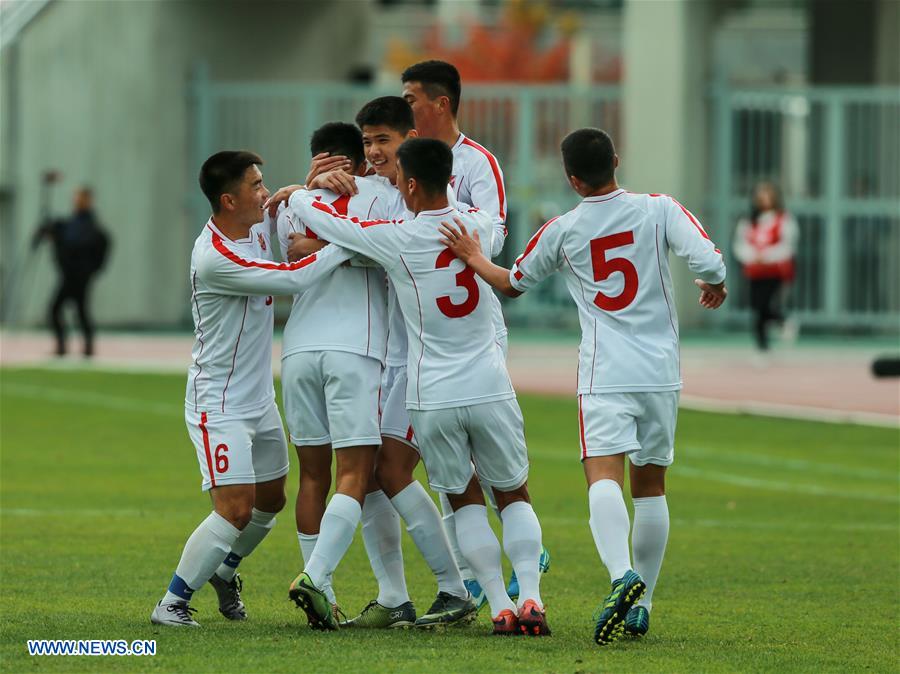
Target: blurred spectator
[(765, 244), (80, 246)]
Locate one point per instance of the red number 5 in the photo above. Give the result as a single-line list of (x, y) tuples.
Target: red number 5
[(604, 268), (222, 458), (464, 279)]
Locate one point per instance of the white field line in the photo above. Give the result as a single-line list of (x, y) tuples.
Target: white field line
[(91, 399), (783, 525), (787, 487), (785, 411)]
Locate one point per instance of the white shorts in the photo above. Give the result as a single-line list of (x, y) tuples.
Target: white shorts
[(640, 424), (490, 434), (394, 415), (331, 397), (238, 450)]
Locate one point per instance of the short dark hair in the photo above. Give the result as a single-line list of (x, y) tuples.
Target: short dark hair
[(589, 155), (339, 138), (438, 78), (390, 111), (429, 161), (221, 171)]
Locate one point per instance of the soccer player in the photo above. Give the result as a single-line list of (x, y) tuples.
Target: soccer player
[(613, 250), (433, 90), (332, 360), (386, 122), (457, 417), (230, 408)]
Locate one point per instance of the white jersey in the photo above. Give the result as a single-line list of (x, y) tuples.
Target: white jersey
[(347, 311), (232, 285), (453, 359), (478, 180), (613, 252)]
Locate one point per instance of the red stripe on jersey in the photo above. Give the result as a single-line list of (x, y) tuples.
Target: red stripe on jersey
[(688, 214), (581, 430), (220, 246), (209, 463), (326, 208), (341, 204), (532, 243), (495, 169), (409, 434)]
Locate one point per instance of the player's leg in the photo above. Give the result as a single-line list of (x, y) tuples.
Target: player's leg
[(80, 296), (608, 432), (223, 450), (395, 462), (650, 532), (498, 449), (270, 464), (302, 385)]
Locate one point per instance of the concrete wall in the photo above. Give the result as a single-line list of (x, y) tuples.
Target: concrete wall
[(102, 96)]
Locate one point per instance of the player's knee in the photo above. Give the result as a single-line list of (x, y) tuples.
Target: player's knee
[(238, 513), (391, 474), (505, 498)]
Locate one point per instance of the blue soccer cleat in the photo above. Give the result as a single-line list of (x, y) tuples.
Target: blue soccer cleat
[(478, 595), (609, 619), (637, 621)]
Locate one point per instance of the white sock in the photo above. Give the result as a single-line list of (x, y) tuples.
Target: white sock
[(482, 550), (522, 544), (648, 541), (423, 522), (450, 529), (610, 525), (307, 545), (260, 525), (204, 551), (335, 535), (381, 535)]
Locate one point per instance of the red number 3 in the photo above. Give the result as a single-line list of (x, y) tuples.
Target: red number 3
[(604, 268), (222, 458), (464, 279)]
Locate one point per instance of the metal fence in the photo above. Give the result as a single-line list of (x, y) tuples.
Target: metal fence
[(835, 152)]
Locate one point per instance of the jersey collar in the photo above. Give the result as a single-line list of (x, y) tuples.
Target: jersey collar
[(605, 197), (459, 141), (216, 230), (437, 213)]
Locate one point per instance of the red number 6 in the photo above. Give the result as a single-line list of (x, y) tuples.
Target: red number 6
[(221, 458)]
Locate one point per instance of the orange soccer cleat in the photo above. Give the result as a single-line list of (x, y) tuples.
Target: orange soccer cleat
[(533, 620), (506, 624)]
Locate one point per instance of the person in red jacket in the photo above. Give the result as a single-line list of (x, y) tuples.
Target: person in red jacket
[(765, 244)]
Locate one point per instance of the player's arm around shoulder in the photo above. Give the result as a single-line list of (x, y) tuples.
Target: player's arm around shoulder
[(473, 250)]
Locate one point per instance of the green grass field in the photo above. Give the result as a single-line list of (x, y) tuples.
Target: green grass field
[(784, 552)]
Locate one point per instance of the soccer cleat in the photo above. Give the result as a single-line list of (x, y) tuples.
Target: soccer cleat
[(637, 621), (229, 593), (512, 589), (506, 624), (609, 619), (448, 610), (533, 620), (313, 601), (174, 615), (475, 590), (376, 616)]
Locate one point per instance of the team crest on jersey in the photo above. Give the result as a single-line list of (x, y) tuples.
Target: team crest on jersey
[(262, 240)]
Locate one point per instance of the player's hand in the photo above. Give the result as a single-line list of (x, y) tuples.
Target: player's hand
[(324, 162), (280, 197), (464, 247), (337, 180), (300, 246), (712, 295)]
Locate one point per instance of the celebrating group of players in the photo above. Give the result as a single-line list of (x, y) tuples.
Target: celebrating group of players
[(395, 350)]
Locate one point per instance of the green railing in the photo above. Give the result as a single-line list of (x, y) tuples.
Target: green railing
[(835, 152)]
